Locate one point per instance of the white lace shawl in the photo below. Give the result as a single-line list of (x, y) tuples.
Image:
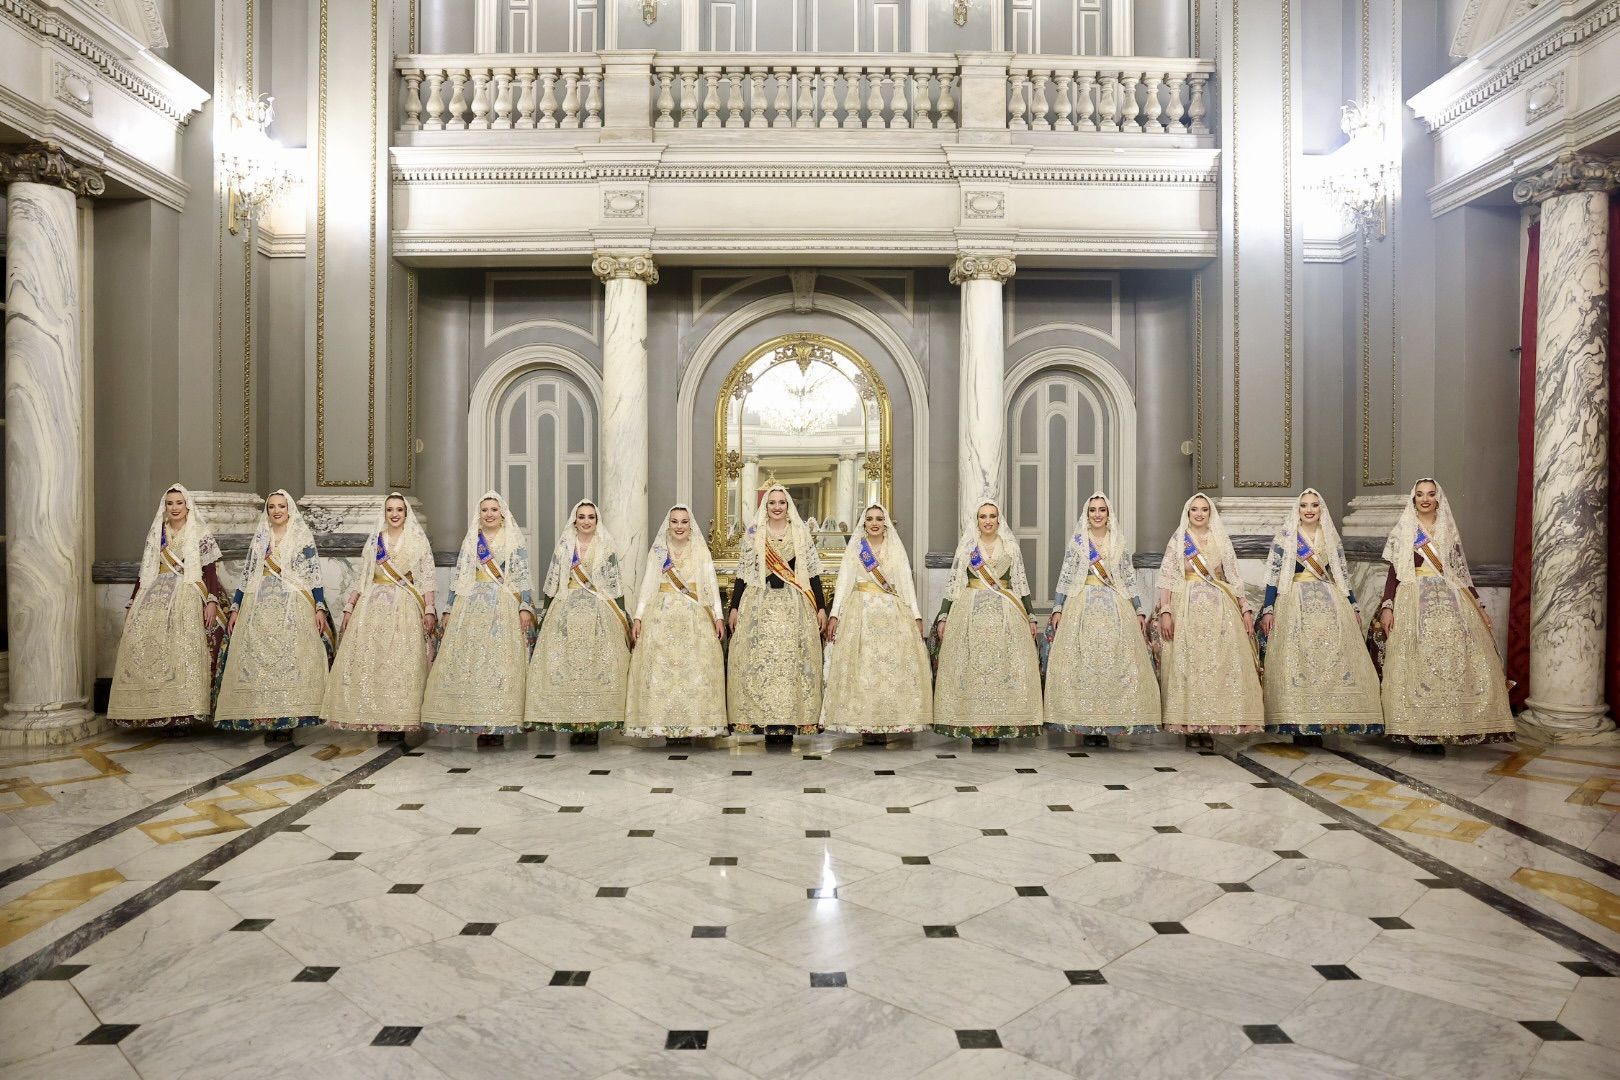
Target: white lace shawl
[(699, 575), (1217, 552), (751, 562), (507, 549), (892, 561), (411, 554), (299, 559), (1329, 550), (194, 545), (601, 562), (1115, 556), (970, 540), (1444, 538)]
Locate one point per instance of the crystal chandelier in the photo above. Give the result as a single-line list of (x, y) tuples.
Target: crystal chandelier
[(802, 400), (1359, 180), (252, 166)]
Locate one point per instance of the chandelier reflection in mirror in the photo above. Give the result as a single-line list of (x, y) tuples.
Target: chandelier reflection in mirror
[(802, 400), (252, 166)]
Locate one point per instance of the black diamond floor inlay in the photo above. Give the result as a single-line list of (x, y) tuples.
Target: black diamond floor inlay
[(1024, 770), (396, 1036), (821, 979), (821, 894), (742, 772), (1078, 753), (898, 809), (465, 830), (1165, 829), (569, 978), (882, 772), (613, 891), (407, 888), (815, 791), (531, 858), (1587, 970), (344, 856), (993, 832), (1266, 1034), (1235, 886), (1029, 890), (108, 1035), (61, 972), (1085, 978), (1390, 922), (1060, 808), (252, 924), (978, 1039), (1289, 853), (1116, 787), (511, 787), (723, 860), (1104, 856), (570, 809), (687, 1040), (1163, 768), (663, 791), (967, 788), (411, 806), (812, 757), (817, 834), (641, 832), (944, 755), (315, 974), (915, 860), (544, 757), (1218, 805), (478, 929), (1168, 928), (677, 757), (1549, 1031), (734, 809), (600, 772), (461, 769), (1335, 972), (939, 931), (708, 931)]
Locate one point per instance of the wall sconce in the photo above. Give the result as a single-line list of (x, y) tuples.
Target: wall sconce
[(251, 164), (960, 9), (1358, 181), (649, 11)]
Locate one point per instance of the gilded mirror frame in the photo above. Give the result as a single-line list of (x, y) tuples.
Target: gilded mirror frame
[(804, 349)]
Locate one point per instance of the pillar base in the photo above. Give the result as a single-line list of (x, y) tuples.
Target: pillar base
[(48, 727), (1546, 723)]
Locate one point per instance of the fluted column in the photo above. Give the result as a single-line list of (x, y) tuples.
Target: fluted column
[(981, 464), (623, 485), (45, 467), (1569, 528)]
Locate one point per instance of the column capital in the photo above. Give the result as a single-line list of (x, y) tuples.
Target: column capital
[(47, 163), (1569, 173), (618, 267), (997, 268)]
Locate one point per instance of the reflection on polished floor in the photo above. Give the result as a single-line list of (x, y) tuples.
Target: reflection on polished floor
[(211, 907)]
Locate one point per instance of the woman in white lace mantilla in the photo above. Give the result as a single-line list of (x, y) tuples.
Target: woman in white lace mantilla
[(989, 683), (1209, 670), (579, 675), (1099, 676), (878, 679), (1319, 678), (274, 663), (383, 648), (778, 609), (1443, 681), (164, 674), (477, 682), (677, 671)]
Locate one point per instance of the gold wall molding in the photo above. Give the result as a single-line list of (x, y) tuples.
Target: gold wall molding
[(1199, 458), (222, 96), (1364, 256), (321, 477), (410, 383)]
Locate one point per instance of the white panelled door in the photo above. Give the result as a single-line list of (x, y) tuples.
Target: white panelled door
[(545, 435)]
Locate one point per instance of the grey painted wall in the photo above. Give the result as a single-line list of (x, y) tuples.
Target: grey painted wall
[(1164, 400)]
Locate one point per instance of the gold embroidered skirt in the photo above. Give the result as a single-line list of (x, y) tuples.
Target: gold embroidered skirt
[(1099, 675), (382, 662), (1319, 677), (275, 667), (878, 680), (677, 672), (989, 682), (774, 673), (1442, 679), (579, 674), (164, 673), (477, 681), (1206, 673)]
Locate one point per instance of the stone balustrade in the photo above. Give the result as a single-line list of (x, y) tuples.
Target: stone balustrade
[(1112, 96)]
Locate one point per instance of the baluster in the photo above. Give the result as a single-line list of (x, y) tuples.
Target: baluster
[(1065, 82), (1127, 101), (1150, 104), (458, 102), (947, 102), (756, 94), (1015, 104), (1108, 102), (1197, 106), (1174, 110), (503, 100), (807, 97), (711, 98), (666, 101), (780, 116), (829, 97), (410, 104), (548, 100), (593, 99), (874, 97), (525, 103), (435, 102), (689, 100), (852, 98), (1084, 108), (734, 98), (903, 101), (570, 102), (1038, 105), (480, 100)]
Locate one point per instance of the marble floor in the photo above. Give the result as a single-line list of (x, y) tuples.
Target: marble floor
[(211, 907)]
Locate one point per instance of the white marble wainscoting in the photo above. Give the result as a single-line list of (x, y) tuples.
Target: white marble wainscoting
[(920, 910)]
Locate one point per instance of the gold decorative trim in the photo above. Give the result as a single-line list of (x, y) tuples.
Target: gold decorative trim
[(1199, 458), (1365, 256), (248, 244), (1288, 261), (410, 385), (321, 479)]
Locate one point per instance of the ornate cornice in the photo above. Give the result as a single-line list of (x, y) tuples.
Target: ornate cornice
[(623, 267), (483, 173), (1571, 172), (998, 268), (47, 163)]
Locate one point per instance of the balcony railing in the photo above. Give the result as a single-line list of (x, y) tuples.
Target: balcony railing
[(1139, 96)]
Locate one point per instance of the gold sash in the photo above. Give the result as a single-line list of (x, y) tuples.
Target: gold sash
[(672, 581), (386, 574), (170, 564), (990, 582), (583, 581), (778, 566), (494, 571), (274, 567)]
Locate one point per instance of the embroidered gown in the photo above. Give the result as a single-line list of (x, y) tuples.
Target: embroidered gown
[(989, 683), (677, 670), (878, 676), (1207, 672), (774, 676), (579, 676)]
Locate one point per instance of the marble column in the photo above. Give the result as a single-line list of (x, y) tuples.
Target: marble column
[(46, 567), (844, 500), (981, 464), (622, 482), (1569, 516), (749, 490)]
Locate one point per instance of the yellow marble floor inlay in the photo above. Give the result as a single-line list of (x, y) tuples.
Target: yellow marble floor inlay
[(29, 792), (52, 900), (1580, 896), (1277, 749), (332, 751), (1589, 790), (1411, 814), (221, 813)]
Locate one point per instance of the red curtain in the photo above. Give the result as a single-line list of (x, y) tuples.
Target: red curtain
[(1518, 655)]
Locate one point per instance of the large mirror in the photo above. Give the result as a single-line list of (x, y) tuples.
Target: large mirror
[(807, 412)]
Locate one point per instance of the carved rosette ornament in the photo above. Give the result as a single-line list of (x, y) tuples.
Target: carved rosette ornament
[(622, 267), (997, 268), (1570, 173), (47, 163)]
